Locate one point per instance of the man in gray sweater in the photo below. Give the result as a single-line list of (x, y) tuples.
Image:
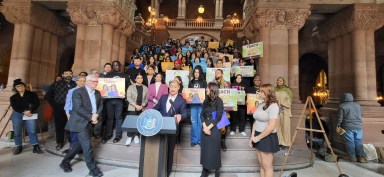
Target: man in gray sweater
[(350, 119)]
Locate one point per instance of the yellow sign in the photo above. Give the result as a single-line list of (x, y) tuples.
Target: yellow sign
[(213, 45), (167, 66), (111, 87)]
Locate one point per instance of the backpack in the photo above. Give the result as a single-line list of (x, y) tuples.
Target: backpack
[(380, 154)]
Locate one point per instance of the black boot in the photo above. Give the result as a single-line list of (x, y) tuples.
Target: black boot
[(223, 146), (18, 150), (205, 172), (217, 173), (36, 149)]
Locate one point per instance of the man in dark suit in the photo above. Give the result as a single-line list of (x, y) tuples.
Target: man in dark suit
[(87, 106), (172, 105)]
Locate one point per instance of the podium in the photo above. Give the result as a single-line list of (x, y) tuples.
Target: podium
[(153, 150)]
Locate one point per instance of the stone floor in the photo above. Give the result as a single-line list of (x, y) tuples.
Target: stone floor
[(28, 164)]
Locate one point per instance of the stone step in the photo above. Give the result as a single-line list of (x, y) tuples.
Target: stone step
[(237, 158)]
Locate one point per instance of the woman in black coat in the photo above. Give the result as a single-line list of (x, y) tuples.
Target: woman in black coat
[(210, 157), (24, 105)]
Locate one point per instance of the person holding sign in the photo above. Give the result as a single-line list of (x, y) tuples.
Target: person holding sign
[(24, 104), (264, 137), (210, 155), (115, 107), (238, 117), (197, 82), (172, 105)]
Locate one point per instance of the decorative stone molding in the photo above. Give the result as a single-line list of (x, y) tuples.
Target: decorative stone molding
[(281, 18), (18, 12), (356, 17), (103, 12), (126, 27)]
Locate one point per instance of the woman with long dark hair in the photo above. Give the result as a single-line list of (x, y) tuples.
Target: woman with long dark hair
[(210, 157), (210, 63), (238, 117), (264, 137), (197, 82), (137, 98), (24, 104)]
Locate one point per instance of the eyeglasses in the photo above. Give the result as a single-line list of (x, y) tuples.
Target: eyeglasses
[(93, 81)]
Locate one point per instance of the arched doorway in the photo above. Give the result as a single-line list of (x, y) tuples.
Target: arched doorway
[(310, 66), (5, 59), (66, 60)]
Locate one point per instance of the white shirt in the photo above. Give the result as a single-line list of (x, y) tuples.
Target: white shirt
[(262, 116), (157, 84), (170, 97)]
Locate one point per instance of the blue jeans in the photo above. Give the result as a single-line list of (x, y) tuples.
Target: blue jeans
[(353, 140), (196, 123), (30, 125)]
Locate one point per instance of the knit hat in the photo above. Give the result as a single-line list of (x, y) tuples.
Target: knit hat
[(17, 82), (178, 61)]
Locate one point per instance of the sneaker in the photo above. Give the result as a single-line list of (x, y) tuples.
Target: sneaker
[(352, 159), (362, 160), (232, 133), (243, 133), (128, 142), (136, 140)]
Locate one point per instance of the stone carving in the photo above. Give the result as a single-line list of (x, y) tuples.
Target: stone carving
[(356, 17), (249, 7), (78, 15), (280, 19), (33, 14), (110, 13)]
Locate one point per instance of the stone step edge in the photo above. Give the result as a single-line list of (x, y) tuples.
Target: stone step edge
[(185, 168)]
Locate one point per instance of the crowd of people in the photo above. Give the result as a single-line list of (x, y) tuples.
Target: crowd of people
[(80, 109)]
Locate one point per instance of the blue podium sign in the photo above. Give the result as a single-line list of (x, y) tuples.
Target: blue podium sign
[(149, 122)]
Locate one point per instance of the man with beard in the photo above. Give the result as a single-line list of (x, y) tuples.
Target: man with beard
[(115, 106), (219, 80), (56, 96)]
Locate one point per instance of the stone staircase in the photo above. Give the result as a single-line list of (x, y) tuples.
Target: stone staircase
[(239, 157), (5, 113)]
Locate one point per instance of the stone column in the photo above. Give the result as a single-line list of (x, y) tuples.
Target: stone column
[(116, 45), (181, 9), (278, 25), (219, 9), (352, 31), (293, 62), (331, 70), (156, 5), (106, 44), (123, 48), (34, 45), (100, 26)]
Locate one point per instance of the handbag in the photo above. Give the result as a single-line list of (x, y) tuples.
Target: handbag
[(223, 122)]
